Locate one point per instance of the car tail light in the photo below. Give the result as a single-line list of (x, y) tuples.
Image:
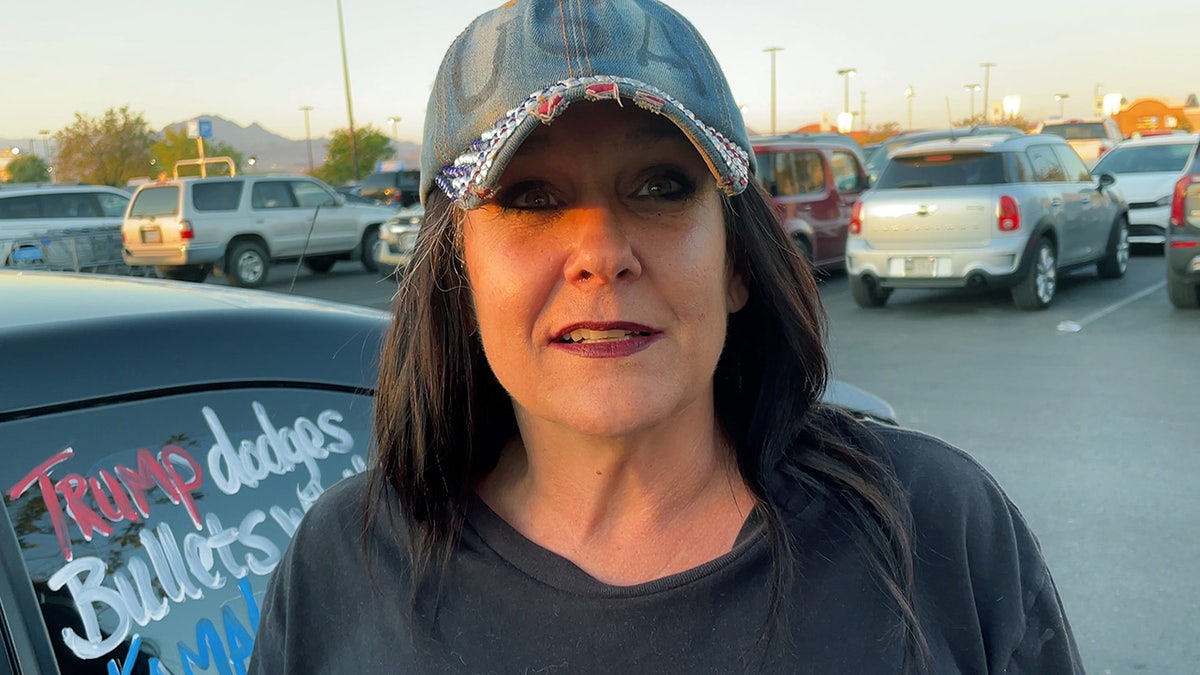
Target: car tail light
[(1009, 214), (185, 230), (856, 218), (1179, 197)]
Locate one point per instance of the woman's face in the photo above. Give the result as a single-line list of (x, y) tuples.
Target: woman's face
[(599, 274)]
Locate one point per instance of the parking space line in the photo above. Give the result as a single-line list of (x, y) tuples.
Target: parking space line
[(1076, 326)]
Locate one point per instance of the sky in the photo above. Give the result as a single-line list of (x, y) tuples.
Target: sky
[(261, 60)]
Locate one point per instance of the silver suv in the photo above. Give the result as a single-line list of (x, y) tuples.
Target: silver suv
[(61, 226), (1008, 212), (239, 225)]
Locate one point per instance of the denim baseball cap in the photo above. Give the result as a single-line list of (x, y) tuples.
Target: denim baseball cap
[(522, 64)]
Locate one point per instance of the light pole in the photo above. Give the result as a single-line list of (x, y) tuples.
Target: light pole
[(987, 74), (909, 94), (846, 74), (392, 122), (1097, 102), (972, 88), (349, 106), (1062, 103), (45, 134), (308, 135), (771, 51)]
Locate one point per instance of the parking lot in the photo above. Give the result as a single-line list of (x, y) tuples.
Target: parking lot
[(1085, 412)]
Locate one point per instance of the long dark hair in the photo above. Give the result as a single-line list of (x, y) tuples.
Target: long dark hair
[(441, 418)]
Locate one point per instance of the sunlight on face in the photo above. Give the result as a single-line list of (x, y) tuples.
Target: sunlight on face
[(600, 277)]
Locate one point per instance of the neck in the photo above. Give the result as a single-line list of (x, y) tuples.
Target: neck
[(672, 495)]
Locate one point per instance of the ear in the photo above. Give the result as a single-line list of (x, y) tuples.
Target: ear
[(736, 293)]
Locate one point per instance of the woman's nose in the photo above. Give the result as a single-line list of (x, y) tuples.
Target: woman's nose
[(601, 250)]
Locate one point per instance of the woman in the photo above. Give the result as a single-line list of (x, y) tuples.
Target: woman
[(600, 447)]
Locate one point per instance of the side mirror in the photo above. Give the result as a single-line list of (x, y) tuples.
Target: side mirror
[(1107, 179), (339, 199)]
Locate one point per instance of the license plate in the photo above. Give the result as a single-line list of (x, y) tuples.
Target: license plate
[(920, 267), (151, 236)]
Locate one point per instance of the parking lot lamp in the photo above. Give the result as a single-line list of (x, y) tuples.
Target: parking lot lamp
[(349, 106), (308, 135), (772, 51), (908, 94), (1062, 103), (987, 74), (972, 88), (846, 74), (392, 122), (45, 134)]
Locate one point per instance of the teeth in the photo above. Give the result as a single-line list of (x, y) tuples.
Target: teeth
[(589, 335)]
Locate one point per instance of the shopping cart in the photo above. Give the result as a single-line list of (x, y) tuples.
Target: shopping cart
[(92, 249)]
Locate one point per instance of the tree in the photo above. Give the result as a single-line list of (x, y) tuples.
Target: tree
[(175, 145), (373, 146), (29, 169), (105, 151)]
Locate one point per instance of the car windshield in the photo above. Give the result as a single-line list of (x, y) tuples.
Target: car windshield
[(1077, 131), (1170, 158), (942, 169)]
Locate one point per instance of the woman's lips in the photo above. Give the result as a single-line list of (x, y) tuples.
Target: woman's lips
[(605, 340)]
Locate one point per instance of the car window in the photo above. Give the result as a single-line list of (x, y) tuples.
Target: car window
[(70, 205), (792, 173), (1146, 158), (217, 196), (1046, 168), (386, 179), (309, 194), (111, 205), (942, 169), (1018, 168), (1075, 169), (157, 522), (155, 201), (271, 194), (1076, 131), (846, 170), (20, 207)]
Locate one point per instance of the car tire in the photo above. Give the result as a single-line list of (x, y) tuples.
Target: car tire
[(320, 264), (1182, 294), (193, 273), (369, 253), (868, 294), (1116, 255), (246, 265), (1037, 289)]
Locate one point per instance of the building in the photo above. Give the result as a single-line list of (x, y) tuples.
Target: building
[(1159, 114)]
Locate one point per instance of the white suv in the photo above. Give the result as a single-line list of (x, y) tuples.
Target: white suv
[(239, 225), (1091, 137), (61, 226)]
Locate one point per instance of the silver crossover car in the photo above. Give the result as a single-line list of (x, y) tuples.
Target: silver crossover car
[(1008, 212)]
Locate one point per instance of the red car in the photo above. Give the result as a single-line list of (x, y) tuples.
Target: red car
[(815, 181)]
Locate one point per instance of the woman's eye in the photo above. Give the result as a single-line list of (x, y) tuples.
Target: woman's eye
[(530, 197), (666, 187)]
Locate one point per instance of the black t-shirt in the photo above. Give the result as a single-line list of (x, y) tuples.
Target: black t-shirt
[(507, 605)]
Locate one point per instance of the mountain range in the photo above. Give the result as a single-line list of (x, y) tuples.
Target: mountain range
[(272, 151)]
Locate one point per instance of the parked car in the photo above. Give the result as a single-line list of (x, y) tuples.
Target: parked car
[(393, 188), (1147, 170), (239, 225), (65, 226), (1183, 241), (160, 448), (398, 240), (814, 184), (883, 150), (1001, 211), (1091, 137)]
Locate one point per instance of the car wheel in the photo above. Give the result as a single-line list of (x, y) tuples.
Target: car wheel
[(868, 294), (1116, 256), (246, 265), (1037, 289), (193, 273), (1182, 294), (370, 246), (320, 264)]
